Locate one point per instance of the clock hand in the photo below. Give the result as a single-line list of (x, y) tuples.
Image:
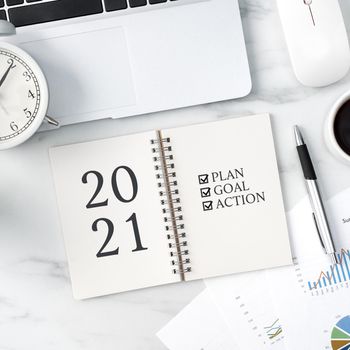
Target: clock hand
[(6, 74)]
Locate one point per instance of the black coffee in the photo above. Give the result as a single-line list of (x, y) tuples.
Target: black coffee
[(342, 127)]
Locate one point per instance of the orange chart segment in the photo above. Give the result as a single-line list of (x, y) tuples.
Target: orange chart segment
[(339, 344)]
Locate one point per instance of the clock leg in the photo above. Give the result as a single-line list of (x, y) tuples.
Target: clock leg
[(51, 121), (6, 28)]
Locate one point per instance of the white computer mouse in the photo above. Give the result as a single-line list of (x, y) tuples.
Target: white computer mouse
[(317, 41)]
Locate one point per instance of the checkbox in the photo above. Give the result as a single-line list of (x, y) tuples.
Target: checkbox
[(205, 192), (203, 179), (208, 205)]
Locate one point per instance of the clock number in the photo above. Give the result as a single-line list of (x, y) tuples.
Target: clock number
[(14, 126), (27, 112), (98, 189), (27, 76), (110, 232), (30, 94), (10, 62)]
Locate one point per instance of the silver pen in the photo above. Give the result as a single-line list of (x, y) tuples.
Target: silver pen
[(319, 213)]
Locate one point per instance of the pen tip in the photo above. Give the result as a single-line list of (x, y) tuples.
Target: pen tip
[(298, 137), (334, 258)]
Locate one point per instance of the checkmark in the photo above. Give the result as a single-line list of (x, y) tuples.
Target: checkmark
[(208, 205), (203, 179), (205, 192)]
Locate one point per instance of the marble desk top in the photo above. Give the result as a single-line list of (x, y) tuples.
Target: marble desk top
[(37, 310)]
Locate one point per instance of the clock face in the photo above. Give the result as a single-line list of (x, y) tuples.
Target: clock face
[(23, 96)]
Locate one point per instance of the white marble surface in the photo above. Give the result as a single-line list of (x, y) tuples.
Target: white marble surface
[(37, 310)]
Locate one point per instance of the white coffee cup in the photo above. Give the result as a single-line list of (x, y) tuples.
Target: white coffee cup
[(329, 134)]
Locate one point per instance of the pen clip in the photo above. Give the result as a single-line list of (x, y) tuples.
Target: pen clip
[(318, 231)]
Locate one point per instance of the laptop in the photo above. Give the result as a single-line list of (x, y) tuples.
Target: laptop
[(117, 58)]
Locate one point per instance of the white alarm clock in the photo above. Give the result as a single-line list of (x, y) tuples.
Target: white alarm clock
[(24, 96)]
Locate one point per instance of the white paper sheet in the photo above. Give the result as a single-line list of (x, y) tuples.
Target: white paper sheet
[(313, 296), (199, 326), (246, 304), (305, 306)]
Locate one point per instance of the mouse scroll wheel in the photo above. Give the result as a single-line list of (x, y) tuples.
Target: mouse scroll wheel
[(308, 2)]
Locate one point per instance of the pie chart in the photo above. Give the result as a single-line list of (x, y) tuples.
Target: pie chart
[(340, 338)]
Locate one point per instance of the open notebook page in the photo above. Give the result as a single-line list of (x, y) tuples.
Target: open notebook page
[(117, 245), (231, 197)]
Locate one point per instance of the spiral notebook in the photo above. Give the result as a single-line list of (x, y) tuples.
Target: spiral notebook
[(171, 205)]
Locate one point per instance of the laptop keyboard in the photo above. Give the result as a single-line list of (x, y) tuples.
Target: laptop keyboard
[(28, 12)]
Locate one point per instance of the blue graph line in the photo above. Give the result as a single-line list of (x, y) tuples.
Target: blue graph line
[(336, 267)]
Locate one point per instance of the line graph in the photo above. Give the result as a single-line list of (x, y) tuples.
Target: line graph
[(273, 330)]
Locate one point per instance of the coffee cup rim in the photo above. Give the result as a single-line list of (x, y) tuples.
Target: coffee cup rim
[(330, 127)]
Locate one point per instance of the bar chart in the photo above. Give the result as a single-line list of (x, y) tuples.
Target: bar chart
[(334, 275)]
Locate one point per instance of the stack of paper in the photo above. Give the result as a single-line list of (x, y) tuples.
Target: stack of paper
[(305, 306)]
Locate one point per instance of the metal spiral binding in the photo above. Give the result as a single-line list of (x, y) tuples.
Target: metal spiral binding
[(170, 200)]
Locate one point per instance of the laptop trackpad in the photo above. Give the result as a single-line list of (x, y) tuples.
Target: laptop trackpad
[(86, 72)]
